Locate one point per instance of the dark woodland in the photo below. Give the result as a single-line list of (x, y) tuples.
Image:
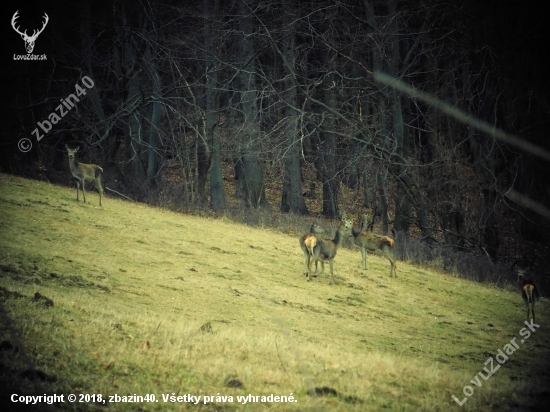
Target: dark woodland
[(265, 105)]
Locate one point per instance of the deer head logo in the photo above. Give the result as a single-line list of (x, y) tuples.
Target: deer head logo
[(29, 40)]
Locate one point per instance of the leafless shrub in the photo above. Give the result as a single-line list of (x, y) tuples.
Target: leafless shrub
[(476, 267)]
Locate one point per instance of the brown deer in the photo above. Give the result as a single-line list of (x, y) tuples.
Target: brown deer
[(326, 249), (83, 173), (308, 242), (371, 241), (529, 293)]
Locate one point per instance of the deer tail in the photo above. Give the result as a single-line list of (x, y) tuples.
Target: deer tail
[(310, 242), (529, 292)]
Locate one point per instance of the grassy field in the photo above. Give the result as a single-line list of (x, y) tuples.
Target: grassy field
[(127, 299)]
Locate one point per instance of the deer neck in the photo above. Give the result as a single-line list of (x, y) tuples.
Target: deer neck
[(338, 237), (73, 164)]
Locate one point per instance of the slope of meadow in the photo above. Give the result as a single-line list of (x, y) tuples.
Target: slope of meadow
[(137, 300)]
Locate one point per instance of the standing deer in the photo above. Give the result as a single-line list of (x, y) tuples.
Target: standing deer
[(83, 173), (371, 241), (308, 242), (326, 249), (529, 293)]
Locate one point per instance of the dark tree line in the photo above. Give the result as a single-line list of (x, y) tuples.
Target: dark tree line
[(189, 87)]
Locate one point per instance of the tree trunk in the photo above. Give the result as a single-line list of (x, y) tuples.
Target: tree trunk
[(203, 161), (365, 184), (402, 203), (156, 112), (126, 60), (328, 150), (292, 198), (217, 191), (253, 186), (383, 203)]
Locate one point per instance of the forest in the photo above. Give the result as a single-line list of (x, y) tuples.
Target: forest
[(429, 116)]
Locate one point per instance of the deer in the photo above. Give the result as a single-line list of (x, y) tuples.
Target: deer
[(308, 242), (371, 241), (29, 40), (83, 173), (529, 292), (325, 250)]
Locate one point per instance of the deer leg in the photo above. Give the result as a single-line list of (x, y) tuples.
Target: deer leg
[(386, 251), (83, 183), (392, 262), (317, 268), (364, 255), (331, 261), (322, 268), (99, 188), (77, 189), (309, 265), (306, 263)]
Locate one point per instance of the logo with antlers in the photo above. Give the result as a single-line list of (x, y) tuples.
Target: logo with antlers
[(29, 40)]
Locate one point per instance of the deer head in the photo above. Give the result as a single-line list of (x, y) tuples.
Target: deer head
[(29, 40)]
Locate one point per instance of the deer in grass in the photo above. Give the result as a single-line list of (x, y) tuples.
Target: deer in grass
[(308, 242), (529, 293), (83, 173), (325, 250), (371, 241)]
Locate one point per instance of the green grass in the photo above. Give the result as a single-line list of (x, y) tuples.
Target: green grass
[(133, 288)]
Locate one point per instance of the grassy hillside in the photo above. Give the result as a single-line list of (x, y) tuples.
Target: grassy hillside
[(137, 300)]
